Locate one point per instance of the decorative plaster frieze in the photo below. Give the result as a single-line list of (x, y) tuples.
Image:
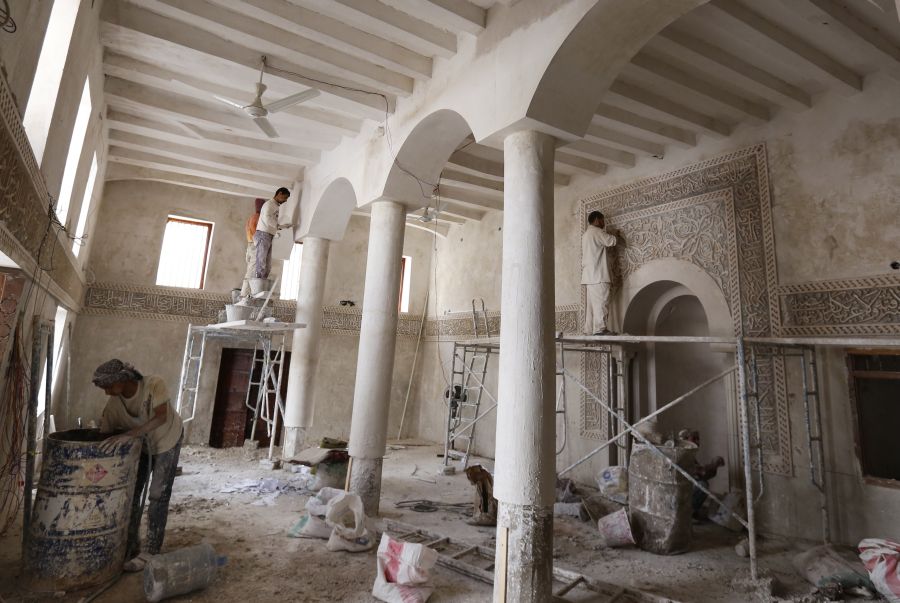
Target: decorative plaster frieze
[(26, 235), (858, 306), (175, 304), (460, 325), (716, 215)]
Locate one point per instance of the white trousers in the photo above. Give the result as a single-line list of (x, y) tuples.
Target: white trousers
[(596, 310)]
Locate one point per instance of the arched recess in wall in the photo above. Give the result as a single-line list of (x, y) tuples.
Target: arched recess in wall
[(646, 285), (676, 298), (332, 213), (422, 157), (593, 54)]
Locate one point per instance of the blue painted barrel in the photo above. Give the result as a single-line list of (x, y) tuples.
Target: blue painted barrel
[(79, 525)]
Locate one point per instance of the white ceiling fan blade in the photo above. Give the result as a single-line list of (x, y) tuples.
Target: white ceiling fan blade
[(264, 125), (228, 101), (291, 100)]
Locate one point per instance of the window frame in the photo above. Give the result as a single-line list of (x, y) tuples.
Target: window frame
[(852, 375), (194, 222)]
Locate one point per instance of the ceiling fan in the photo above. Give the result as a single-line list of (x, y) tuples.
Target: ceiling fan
[(258, 111)]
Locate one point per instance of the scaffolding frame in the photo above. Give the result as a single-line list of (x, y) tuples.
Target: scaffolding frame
[(747, 368), (262, 335)]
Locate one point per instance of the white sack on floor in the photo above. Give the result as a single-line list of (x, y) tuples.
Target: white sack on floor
[(403, 571), (346, 517)]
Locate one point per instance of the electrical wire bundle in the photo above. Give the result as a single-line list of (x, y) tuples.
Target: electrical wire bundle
[(12, 435)]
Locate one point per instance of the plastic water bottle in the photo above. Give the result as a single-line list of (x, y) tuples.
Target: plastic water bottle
[(182, 571)]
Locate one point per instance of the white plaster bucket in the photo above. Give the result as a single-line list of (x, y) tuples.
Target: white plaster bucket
[(235, 312), (260, 285)]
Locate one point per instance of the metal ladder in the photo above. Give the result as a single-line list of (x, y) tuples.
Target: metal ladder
[(486, 328), (468, 373), (194, 350), (812, 409), (269, 382)]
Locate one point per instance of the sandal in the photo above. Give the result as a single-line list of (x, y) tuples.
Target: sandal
[(136, 564)]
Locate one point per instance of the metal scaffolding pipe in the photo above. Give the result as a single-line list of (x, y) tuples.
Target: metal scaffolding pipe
[(652, 415), (748, 469), (655, 449)]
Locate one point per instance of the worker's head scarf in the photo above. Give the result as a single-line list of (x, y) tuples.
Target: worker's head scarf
[(115, 371), (259, 204)]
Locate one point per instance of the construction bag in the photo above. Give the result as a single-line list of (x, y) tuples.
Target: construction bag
[(403, 571), (882, 561), (613, 484), (310, 526), (347, 520)]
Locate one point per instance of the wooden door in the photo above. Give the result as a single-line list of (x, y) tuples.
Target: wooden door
[(232, 421), (230, 412)]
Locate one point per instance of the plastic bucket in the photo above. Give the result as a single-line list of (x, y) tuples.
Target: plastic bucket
[(79, 525), (235, 312), (260, 285), (615, 529)]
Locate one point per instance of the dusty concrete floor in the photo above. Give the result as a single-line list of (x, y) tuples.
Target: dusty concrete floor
[(265, 564)]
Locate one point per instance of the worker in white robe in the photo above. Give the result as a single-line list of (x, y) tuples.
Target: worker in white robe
[(595, 274)]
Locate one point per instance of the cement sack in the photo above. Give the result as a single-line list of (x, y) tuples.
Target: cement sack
[(347, 519), (310, 526), (318, 505), (403, 571), (824, 567), (882, 560), (613, 484), (735, 502)]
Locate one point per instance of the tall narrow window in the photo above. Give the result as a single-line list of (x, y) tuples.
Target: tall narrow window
[(48, 75), (405, 277), (875, 390), (85, 211), (290, 273), (185, 249), (76, 144)]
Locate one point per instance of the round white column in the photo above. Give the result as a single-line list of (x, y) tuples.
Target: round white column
[(375, 363), (300, 400), (525, 471)]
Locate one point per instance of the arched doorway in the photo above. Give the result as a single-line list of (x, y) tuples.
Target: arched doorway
[(682, 304)]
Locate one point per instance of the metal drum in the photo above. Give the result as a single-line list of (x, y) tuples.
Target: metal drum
[(79, 525), (659, 499)]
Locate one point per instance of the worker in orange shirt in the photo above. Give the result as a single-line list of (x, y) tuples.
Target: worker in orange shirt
[(250, 256)]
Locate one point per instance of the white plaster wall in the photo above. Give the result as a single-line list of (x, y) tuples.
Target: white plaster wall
[(834, 182)]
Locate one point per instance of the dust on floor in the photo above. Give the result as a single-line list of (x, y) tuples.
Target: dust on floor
[(265, 564)]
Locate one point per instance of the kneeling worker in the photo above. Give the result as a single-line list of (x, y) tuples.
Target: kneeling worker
[(141, 407)]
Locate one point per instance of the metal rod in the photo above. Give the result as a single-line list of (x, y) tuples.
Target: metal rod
[(677, 400), (412, 373), (48, 389), (655, 450), (748, 469), (754, 375), (31, 431)]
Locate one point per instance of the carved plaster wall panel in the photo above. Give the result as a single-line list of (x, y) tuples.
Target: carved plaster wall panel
[(862, 306), (716, 215), (26, 234)]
